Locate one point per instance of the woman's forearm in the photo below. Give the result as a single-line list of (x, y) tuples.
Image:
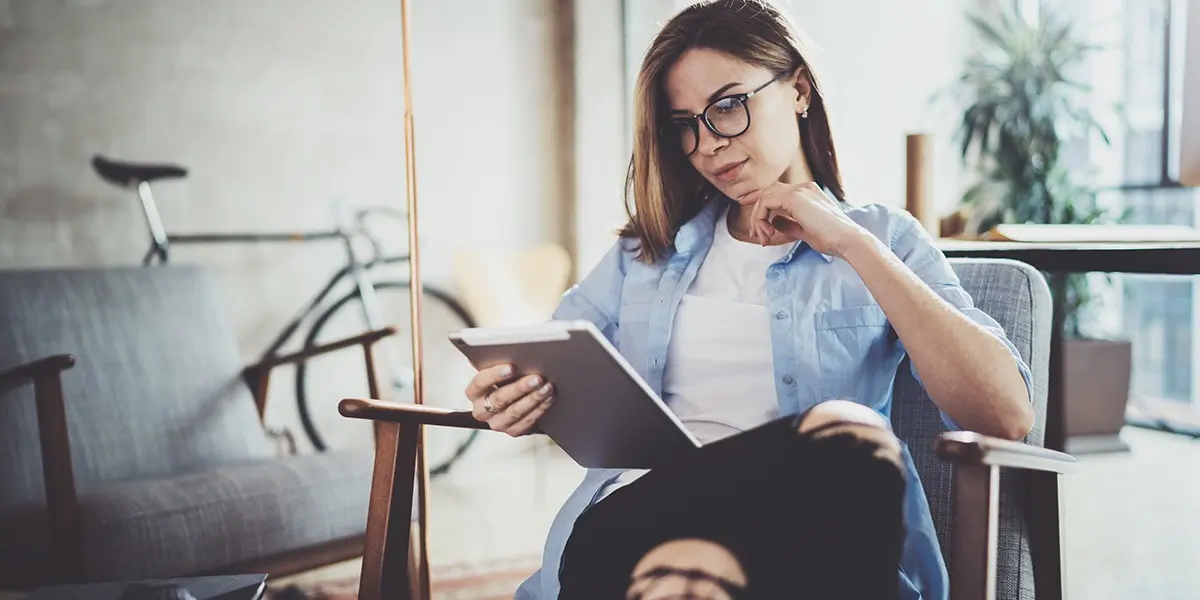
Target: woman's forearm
[(968, 372)]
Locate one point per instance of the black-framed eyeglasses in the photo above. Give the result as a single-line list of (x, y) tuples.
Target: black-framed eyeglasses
[(727, 117)]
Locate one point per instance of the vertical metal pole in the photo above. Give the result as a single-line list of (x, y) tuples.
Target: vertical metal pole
[(414, 267)]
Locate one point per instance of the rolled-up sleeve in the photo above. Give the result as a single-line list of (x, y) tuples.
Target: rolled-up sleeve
[(916, 248)]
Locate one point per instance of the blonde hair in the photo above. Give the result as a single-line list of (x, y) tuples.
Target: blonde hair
[(662, 189)]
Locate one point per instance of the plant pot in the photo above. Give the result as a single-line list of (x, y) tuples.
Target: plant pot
[(1096, 380)]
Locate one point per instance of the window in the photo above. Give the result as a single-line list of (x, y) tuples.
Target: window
[(1139, 69)]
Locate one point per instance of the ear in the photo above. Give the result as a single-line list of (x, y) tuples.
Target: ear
[(803, 87)]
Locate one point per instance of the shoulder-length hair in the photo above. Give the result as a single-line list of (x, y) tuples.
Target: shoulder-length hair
[(662, 189)]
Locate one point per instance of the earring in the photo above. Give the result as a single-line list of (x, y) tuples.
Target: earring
[(804, 115)]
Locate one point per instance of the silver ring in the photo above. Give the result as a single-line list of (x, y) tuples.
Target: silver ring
[(487, 404)]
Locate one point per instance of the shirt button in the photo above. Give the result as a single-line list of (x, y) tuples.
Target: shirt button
[(781, 315), (788, 379)]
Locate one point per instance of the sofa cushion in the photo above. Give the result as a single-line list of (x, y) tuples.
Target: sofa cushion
[(193, 523)]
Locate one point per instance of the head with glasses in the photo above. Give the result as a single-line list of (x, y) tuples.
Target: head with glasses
[(725, 103)]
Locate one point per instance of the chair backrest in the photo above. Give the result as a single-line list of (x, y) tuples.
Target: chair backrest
[(157, 385), (1016, 296)]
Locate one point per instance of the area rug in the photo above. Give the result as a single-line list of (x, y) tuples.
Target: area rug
[(479, 580)]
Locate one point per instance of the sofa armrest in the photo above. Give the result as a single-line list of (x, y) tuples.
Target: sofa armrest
[(62, 503), (35, 369), (416, 414), (968, 448)]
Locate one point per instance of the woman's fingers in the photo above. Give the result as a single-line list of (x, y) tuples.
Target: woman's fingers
[(506, 405), (485, 380), (492, 403), (760, 214), (529, 422), (520, 416)]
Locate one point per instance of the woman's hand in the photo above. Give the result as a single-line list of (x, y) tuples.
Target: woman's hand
[(512, 407), (801, 212)]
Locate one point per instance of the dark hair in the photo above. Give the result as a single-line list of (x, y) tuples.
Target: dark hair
[(662, 190)]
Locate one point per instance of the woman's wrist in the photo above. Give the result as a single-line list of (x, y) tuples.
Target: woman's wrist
[(858, 245)]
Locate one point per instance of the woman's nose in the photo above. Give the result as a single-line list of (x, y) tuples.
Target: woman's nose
[(710, 143)]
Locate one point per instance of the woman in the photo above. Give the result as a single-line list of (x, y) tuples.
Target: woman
[(748, 294)]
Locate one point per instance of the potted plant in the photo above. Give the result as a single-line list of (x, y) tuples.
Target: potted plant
[(1020, 109)]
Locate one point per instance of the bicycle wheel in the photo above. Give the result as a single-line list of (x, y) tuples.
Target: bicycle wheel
[(323, 381)]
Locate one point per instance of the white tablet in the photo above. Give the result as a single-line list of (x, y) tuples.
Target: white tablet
[(604, 414)]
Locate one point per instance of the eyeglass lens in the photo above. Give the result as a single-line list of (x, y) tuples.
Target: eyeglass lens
[(727, 117)]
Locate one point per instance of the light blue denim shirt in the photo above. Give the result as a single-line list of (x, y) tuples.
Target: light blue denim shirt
[(830, 339)]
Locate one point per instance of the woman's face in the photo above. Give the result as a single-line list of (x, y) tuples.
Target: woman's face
[(768, 151)]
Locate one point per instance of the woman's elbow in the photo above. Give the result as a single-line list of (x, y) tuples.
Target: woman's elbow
[(1002, 411), (1017, 415), (1019, 423)]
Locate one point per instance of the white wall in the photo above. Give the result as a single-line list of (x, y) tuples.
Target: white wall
[(880, 62), (601, 152)]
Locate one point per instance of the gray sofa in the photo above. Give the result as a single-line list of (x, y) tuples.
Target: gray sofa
[(148, 458)]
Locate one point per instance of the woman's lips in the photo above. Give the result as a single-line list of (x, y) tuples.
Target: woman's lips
[(730, 173)]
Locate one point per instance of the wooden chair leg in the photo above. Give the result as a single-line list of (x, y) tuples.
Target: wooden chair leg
[(386, 555), (973, 560), (1046, 535)]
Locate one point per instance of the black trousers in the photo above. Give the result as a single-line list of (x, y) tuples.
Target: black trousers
[(815, 516)]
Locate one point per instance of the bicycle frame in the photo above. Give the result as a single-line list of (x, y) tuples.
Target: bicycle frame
[(356, 270), (352, 228), (161, 241)]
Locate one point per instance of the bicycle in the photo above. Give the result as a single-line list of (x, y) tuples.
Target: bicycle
[(331, 320)]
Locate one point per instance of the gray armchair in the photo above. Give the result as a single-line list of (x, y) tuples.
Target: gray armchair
[(148, 458), (995, 503)]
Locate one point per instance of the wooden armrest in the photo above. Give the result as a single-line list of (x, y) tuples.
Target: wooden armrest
[(419, 414), (62, 504), (969, 448), (369, 337), (258, 375), (27, 372)]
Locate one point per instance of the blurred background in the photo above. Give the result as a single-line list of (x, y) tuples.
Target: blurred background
[(281, 108)]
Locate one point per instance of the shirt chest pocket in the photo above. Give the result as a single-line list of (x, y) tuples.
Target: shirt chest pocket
[(852, 343), (634, 331)]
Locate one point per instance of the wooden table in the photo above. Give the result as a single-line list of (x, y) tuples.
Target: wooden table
[(1159, 258)]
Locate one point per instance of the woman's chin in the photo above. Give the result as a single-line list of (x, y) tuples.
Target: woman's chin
[(739, 188), (733, 189)]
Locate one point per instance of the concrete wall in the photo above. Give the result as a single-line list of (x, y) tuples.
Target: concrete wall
[(278, 107)]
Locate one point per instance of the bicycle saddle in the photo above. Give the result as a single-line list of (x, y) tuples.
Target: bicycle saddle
[(127, 174)]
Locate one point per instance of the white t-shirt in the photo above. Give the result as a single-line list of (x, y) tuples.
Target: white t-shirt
[(719, 375)]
